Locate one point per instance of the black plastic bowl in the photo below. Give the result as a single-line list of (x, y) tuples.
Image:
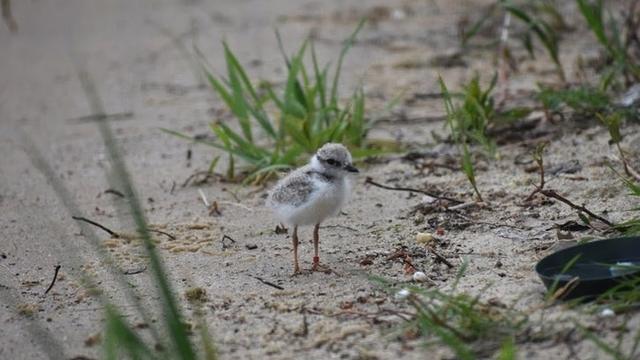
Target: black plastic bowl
[(594, 266)]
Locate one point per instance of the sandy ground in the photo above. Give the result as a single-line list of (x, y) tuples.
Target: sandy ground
[(135, 53)]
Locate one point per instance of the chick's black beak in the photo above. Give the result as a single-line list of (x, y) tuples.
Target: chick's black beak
[(351, 168)]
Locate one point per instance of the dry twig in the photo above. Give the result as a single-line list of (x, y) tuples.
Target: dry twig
[(440, 197), (268, 283), (553, 194), (109, 231), (53, 281)]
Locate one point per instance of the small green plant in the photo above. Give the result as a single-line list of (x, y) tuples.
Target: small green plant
[(583, 100), (310, 114), (618, 301), (614, 350), (469, 122), (630, 226), (622, 58), (538, 18), (612, 121), (468, 326)]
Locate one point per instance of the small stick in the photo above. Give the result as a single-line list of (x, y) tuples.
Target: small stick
[(503, 66), (55, 277), (440, 257), (191, 177), (268, 283), (135, 271), (204, 198), (163, 233), (463, 205), (114, 192), (370, 181), (538, 158), (555, 195), (109, 231), (627, 168), (173, 187)]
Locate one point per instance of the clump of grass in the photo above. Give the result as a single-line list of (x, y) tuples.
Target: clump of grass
[(615, 350), (583, 100), (620, 299), (630, 226), (612, 121), (310, 114), (468, 326), (621, 45), (469, 122), (538, 19)]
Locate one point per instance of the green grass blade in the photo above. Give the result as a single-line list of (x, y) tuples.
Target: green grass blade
[(453, 342), (182, 346), (240, 108), (321, 77), (190, 138), (281, 48), (356, 129), (297, 89), (242, 149), (508, 350), (233, 62), (345, 48), (119, 339), (601, 344), (219, 88), (258, 112), (291, 127)]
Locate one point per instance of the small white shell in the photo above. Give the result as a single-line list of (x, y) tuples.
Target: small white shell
[(428, 200), (419, 276), (606, 312), (402, 294)]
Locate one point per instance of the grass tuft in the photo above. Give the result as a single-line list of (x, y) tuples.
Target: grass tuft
[(309, 114), (468, 326), (622, 52)]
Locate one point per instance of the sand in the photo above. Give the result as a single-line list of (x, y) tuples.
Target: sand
[(136, 52)]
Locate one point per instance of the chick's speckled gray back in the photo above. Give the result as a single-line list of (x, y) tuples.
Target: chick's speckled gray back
[(293, 190)]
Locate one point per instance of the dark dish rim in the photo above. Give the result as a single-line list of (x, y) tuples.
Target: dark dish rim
[(591, 244)]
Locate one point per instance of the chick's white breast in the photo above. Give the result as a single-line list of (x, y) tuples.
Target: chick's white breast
[(326, 201)]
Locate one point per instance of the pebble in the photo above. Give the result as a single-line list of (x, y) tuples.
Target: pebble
[(606, 312), (419, 276), (424, 238)]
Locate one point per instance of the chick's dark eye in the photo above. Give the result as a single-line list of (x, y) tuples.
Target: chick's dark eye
[(331, 162)]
